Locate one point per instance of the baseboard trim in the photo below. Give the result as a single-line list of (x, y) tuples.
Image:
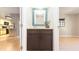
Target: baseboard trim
[(68, 36)]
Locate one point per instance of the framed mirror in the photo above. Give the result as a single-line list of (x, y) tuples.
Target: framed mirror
[(39, 16)]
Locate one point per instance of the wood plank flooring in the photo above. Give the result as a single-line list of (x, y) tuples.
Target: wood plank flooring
[(69, 43), (9, 43)]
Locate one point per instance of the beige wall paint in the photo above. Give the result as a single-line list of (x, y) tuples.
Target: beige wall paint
[(71, 27), (77, 24)]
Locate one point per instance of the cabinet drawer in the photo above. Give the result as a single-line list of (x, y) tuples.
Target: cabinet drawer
[(32, 31)]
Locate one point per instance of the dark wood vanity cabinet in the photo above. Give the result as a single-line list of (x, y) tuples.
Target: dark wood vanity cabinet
[(39, 39)]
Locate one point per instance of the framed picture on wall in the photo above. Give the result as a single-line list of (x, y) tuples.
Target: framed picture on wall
[(39, 16)]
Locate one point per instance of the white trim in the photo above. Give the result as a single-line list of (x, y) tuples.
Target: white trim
[(55, 21), (68, 36), (20, 27), (24, 27)]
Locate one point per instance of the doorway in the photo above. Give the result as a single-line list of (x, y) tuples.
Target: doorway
[(69, 28), (9, 29)]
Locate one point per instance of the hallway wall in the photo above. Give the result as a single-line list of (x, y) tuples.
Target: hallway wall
[(71, 27)]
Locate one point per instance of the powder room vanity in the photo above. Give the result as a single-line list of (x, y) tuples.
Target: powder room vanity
[(39, 39)]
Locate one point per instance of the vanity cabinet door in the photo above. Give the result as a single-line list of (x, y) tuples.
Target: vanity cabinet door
[(46, 40), (32, 40)]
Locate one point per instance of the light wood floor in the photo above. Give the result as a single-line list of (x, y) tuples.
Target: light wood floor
[(69, 43), (9, 43)]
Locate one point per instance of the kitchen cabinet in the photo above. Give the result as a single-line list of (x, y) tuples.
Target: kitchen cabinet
[(39, 39)]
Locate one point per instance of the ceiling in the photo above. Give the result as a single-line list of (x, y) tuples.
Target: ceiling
[(4, 11), (68, 10)]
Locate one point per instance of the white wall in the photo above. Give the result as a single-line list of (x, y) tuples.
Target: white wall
[(55, 17), (71, 27), (27, 23)]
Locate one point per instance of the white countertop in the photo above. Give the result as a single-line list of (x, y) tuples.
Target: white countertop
[(38, 28)]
